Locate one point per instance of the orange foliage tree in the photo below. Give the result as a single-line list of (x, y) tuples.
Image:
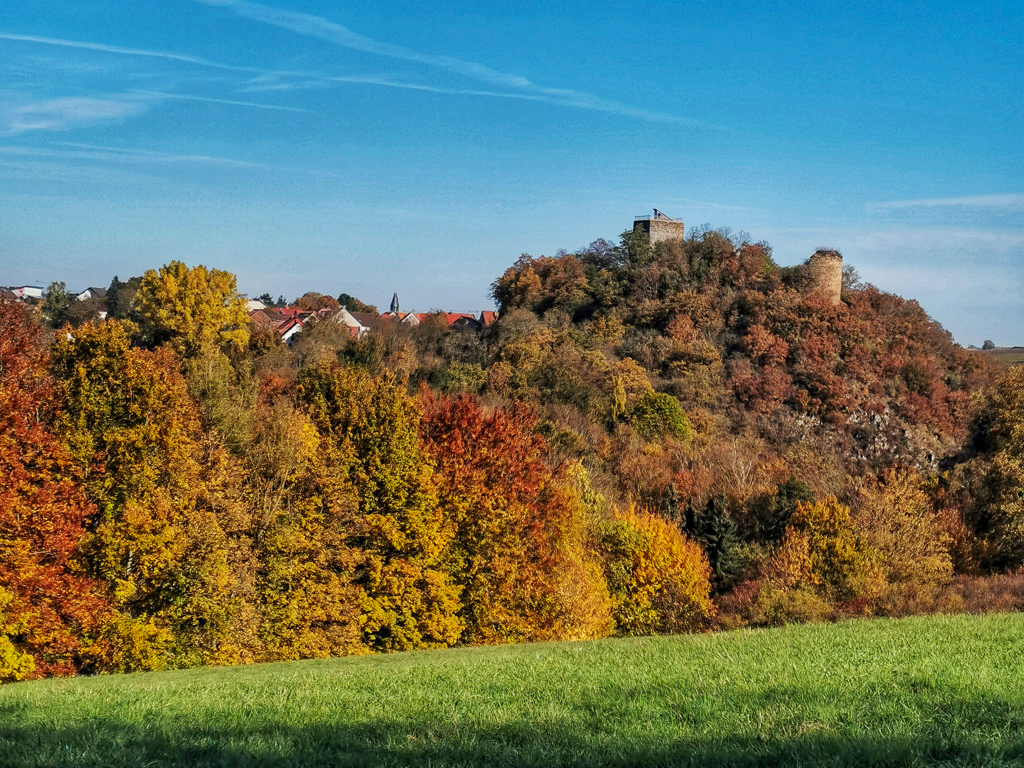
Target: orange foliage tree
[(48, 610), (521, 549)]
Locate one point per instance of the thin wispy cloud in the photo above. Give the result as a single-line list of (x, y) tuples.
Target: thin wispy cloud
[(120, 155), (211, 100), (62, 114), (315, 26), (526, 96), (77, 151), (516, 85), (196, 60), (1013, 201), (332, 32), (65, 113)]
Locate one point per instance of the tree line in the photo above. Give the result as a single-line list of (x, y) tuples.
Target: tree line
[(649, 439), (168, 501)]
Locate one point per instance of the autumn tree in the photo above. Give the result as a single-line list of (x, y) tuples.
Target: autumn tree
[(191, 309), (769, 514), (49, 612), (312, 301), (896, 519), (304, 524), (167, 538), (822, 551), (997, 512), (659, 579), (409, 600), (522, 550)]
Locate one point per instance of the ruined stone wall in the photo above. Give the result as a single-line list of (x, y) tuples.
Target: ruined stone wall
[(660, 229), (826, 270)]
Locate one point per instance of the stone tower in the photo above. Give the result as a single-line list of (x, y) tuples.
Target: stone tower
[(826, 270), (659, 227)]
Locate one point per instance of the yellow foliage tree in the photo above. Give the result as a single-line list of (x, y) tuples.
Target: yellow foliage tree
[(659, 579), (897, 521), (15, 665), (821, 550), (168, 540), (408, 598), (1000, 517), (191, 309), (304, 509)]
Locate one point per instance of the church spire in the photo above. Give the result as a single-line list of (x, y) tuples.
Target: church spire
[(394, 304)]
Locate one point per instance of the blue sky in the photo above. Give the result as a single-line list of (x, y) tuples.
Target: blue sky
[(420, 148)]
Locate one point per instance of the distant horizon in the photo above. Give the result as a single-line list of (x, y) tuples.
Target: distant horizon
[(303, 144), (382, 304)]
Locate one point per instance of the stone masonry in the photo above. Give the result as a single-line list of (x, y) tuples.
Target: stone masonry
[(659, 227), (826, 269)]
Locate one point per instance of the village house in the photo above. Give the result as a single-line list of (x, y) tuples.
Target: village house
[(99, 294), (27, 291)]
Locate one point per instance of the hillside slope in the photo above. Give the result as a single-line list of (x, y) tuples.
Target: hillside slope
[(907, 692)]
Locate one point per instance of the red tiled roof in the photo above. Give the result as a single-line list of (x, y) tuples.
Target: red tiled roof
[(261, 319), (487, 317), (453, 316), (286, 325), (288, 311)]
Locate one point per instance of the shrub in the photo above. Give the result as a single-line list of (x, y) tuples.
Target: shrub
[(660, 581), (776, 606), (658, 414)]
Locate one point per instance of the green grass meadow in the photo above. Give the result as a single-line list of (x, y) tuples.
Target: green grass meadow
[(919, 691), (1008, 355)]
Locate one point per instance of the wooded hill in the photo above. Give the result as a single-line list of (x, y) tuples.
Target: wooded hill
[(647, 440)]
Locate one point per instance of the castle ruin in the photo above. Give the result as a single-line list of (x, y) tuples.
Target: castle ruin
[(826, 271), (659, 227), (824, 267)]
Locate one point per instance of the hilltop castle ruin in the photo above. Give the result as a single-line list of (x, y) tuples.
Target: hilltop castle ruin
[(659, 227), (824, 267), (826, 271)]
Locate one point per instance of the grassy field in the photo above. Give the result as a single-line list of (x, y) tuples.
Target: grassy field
[(1008, 355), (920, 691)]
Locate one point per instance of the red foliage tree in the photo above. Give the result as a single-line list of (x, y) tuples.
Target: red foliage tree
[(520, 549), (47, 610)]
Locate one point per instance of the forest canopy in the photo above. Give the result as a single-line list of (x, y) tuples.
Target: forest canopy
[(649, 438)]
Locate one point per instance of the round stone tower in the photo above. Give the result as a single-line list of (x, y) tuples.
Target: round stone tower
[(826, 269)]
